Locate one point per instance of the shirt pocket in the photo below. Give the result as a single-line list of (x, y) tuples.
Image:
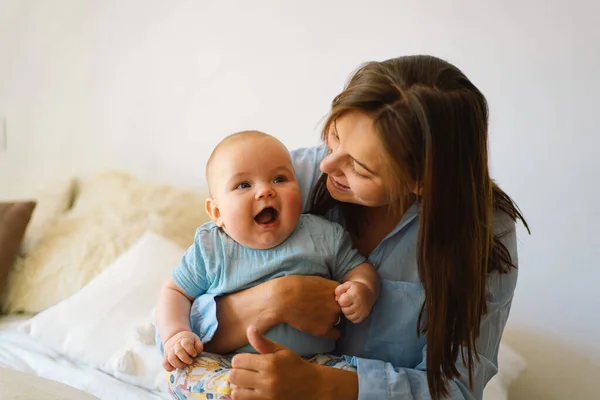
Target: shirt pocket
[(392, 335)]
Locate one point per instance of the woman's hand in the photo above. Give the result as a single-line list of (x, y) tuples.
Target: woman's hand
[(276, 373), (279, 373), (308, 304)]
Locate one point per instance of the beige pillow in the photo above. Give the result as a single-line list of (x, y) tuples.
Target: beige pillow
[(53, 200), (111, 212)]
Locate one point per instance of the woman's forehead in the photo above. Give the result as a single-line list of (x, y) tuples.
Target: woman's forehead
[(357, 132)]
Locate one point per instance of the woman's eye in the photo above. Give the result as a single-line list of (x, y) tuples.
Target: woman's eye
[(279, 179), (356, 172), (243, 185)]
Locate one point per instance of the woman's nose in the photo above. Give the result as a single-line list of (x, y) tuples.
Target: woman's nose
[(330, 164)]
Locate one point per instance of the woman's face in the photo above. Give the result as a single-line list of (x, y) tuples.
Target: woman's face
[(355, 167)]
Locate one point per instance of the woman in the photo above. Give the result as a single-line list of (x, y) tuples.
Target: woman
[(405, 170)]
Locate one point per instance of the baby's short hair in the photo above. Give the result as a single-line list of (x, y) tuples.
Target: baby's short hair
[(229, 140)]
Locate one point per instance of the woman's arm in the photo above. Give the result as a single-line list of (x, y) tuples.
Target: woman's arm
[(236, 311), (337, 384), (277, 372), (305, 302)]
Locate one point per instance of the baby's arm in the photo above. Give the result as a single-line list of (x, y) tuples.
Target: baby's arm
[(358, 293), (180, 344)]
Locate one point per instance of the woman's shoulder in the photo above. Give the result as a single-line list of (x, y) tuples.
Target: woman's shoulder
[(308, 154), (504, 228), (306, 161), (501, 285), (503, 223), (306, 167)]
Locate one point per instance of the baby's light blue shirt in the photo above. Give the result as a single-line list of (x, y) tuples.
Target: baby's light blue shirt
[(385, 347), (216, 264)]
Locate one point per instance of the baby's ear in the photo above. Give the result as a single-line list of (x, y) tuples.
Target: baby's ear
[(212, 209)]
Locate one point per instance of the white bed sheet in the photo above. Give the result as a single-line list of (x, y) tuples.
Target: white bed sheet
[(19, 351)]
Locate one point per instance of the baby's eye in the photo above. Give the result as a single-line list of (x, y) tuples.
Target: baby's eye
[(243, 185), (279, 179)]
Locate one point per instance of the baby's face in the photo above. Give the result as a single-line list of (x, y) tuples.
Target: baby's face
[(256, 192)]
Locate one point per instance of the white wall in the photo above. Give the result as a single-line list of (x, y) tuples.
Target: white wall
[(151, 86)]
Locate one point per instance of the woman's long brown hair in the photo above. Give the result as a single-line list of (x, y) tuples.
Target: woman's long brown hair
[(433, 124)]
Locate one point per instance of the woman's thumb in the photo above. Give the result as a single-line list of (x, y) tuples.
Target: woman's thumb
[(260, 342)]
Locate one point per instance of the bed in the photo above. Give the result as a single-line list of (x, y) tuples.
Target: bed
[(20, 352), (80, 291)]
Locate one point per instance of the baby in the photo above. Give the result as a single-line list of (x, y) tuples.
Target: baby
[(258, 233)]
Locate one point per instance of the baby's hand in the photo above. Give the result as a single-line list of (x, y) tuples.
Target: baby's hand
[(355, 299), (181, 349)]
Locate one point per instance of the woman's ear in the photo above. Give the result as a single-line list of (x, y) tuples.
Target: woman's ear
[(212, 209)]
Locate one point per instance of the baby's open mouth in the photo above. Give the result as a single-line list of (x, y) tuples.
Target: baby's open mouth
[(267, 216)]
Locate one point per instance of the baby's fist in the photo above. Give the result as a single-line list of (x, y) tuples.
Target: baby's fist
[(355, 299), (181, 349)]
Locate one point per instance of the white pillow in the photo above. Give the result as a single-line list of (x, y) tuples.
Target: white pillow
[(100, 324)]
